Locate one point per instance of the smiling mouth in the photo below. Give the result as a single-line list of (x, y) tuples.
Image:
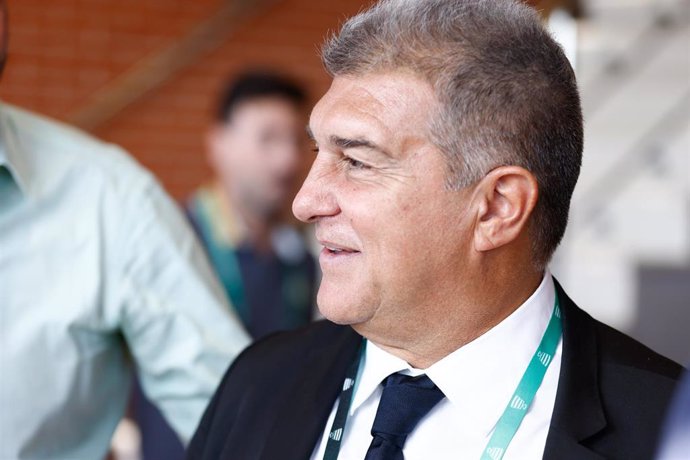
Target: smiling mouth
[(338, 250), (332, 253)]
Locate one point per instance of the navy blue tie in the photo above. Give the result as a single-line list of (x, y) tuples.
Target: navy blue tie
[(404, 402)]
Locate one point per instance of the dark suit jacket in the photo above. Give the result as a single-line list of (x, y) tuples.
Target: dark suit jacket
[(274, 401)]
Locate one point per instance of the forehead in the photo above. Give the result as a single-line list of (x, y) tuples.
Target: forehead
[(380, 106)]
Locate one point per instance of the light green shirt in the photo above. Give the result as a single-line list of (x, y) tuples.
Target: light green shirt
[(96, 264)]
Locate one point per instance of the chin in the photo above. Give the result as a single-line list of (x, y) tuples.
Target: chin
[(340, 309)]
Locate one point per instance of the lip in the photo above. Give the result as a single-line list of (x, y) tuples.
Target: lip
[(336, 246), (335, 253)]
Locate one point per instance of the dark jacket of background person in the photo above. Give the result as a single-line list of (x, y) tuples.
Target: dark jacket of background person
[(270, 290)]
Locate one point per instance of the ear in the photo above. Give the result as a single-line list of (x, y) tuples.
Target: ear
[(506, 199)]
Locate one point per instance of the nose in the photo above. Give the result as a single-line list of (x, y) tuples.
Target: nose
[(316, 199)]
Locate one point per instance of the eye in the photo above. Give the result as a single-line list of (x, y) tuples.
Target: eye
[(355, 164)]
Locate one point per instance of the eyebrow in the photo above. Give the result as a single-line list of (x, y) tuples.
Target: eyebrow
[(346, 143)]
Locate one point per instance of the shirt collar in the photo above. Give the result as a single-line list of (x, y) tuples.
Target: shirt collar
[(11, 154), (487, 384)]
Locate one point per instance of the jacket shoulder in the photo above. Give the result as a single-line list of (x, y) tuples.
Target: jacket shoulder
[(287, 349), (613, 391), (620, 349), (262, 381), (613, 348)]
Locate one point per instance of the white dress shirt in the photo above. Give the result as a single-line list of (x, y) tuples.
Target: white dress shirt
[(478, 380), (96, 263)]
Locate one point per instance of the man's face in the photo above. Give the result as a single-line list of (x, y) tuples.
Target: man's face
[(257, 153), (394, 235)]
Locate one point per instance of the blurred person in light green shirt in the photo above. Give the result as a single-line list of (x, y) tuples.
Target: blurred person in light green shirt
[(99, 272)]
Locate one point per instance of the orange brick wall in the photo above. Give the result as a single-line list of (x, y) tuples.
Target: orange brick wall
[(63, 51)]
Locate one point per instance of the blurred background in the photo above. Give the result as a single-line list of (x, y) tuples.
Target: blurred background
[(146, 74)]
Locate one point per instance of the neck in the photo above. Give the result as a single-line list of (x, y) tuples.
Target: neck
[(447, 326)]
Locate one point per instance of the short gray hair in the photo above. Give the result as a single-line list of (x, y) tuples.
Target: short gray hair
[(507, 94)]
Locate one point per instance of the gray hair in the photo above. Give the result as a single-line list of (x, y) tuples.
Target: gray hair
[(506, 92)]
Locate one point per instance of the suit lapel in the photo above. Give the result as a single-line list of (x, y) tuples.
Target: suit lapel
[(578, 412), (562, 446), (301, 420)]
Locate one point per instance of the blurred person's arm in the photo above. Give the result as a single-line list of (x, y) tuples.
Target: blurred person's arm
[(174, 316)]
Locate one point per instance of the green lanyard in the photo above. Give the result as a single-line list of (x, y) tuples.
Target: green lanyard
[(512, 416)]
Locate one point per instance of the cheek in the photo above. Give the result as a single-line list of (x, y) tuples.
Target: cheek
[(415, 240), (391, 232)]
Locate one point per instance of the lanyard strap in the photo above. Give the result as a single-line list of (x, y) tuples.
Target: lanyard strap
[(531, 380), (512, 416), (336, 434)]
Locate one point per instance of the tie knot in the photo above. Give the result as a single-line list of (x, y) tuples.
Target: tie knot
[(404, 402), (419, 381)]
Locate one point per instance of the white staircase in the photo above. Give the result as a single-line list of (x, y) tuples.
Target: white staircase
[(631, 207)]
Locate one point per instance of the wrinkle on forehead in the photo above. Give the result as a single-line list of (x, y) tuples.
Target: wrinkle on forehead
[(375, 106)]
